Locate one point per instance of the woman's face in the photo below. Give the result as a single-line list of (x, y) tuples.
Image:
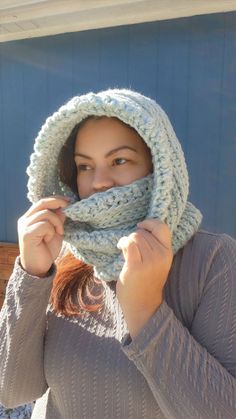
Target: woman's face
[(107, 154)]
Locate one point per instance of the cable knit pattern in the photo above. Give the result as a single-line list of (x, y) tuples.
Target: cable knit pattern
[(182, 365), (168, 200)]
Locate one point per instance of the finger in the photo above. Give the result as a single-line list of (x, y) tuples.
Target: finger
[(48, 216), (146, 244), (49, 235), (130, 250), (159, 230), (42, 230), (60, 214), (51, 203), (122, 245), (148, 240)]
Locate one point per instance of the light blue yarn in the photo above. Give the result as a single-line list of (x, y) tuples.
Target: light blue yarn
[(170, 184), (95, 225)]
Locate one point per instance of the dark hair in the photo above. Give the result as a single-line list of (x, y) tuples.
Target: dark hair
[(75, 290)]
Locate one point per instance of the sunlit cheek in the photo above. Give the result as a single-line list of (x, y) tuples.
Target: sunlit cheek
[(127, 176), (80, 185), (84, 181)]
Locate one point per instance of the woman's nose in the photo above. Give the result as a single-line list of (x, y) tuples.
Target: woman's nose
[(102, 180)]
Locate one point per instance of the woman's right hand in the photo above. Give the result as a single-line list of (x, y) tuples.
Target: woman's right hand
[(40, 232)]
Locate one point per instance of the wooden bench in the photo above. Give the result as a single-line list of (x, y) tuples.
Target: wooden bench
[(8, 253)]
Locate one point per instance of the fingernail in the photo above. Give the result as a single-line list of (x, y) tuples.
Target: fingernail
[(122, 242)]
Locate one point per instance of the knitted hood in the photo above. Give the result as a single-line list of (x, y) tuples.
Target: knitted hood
[(168, 200)]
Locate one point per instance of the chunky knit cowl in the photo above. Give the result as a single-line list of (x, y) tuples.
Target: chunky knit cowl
[(94, 225)]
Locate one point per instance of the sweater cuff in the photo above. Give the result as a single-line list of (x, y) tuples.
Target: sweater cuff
[(154, 329), (25, 285)]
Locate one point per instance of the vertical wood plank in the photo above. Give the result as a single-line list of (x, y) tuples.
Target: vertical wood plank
[(2, 156), (142, 68), (114, 57), (226, 191), (173, 73), (86, 62), (8, 253), (13, 135), (204, 114)]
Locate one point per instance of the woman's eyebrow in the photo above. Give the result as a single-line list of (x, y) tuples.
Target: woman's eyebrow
[(113, 151), (122, 147)]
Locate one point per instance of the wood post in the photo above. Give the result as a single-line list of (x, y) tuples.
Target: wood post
[(8, 253)]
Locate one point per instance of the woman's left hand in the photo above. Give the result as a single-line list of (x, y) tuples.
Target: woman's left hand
[(148, 257)]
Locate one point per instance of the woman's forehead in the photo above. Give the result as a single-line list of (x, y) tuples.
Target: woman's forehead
[(106, 130)]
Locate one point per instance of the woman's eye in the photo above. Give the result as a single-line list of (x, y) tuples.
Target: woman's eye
[(83, 167), (120, 161)]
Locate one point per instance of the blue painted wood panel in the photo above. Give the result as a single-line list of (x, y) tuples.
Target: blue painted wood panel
[(188, 65)]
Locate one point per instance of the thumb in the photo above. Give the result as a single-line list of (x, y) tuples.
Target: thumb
[(122, 245), (130, 250)]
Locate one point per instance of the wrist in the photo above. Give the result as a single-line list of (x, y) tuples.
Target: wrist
[(37, 274), (136, 321)]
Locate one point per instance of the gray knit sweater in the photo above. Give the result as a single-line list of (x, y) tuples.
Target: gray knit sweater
[(181, 365)]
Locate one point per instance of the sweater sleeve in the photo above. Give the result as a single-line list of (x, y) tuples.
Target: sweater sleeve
[(192, 372), (22, 330)]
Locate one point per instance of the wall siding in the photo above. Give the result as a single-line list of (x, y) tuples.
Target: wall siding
[(188, 65)]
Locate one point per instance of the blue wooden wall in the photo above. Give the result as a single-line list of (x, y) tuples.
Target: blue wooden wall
[(188, 65)]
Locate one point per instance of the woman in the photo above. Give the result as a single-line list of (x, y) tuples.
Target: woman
[(142, 313)]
